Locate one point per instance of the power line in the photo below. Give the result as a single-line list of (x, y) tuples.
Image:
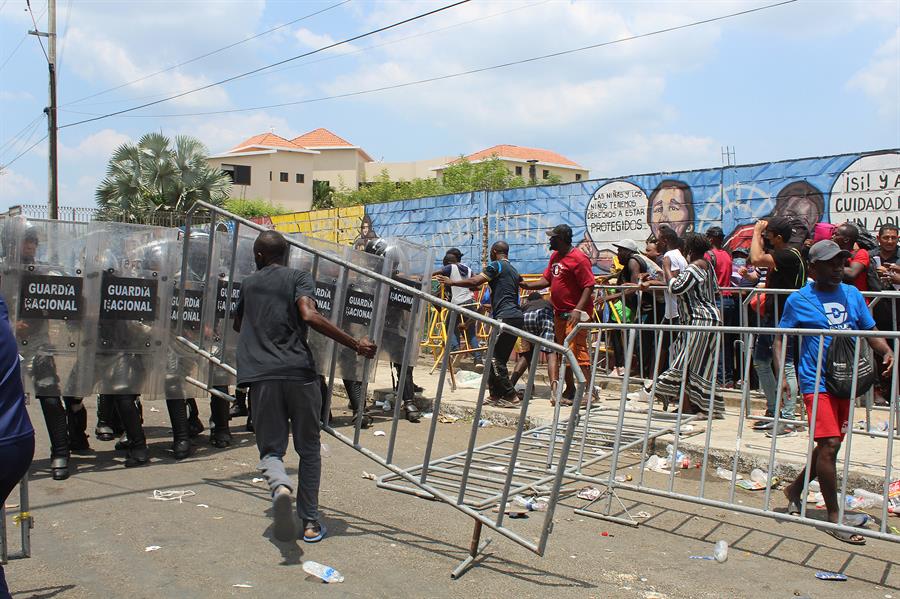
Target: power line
[(23, 152), (12, 140), (36, 31), (269, 66), (19, 45), (334, 57), (62, 44), (468, 72), (208, 54)]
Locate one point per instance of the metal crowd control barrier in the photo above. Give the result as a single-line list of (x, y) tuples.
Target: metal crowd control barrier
[(23, 520), (651, 485), (533, 535)]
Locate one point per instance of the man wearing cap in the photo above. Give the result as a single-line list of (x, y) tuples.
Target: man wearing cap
[(785, 269), (633, 269), (571, 282), (827, 303)]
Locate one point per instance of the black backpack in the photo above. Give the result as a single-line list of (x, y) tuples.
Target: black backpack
[(872, 281)]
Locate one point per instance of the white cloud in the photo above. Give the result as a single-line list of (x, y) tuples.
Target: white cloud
[(880, 78), (94, 147), (16, 188), (636, 153), (15, 96), (310, 39), (222, 132)]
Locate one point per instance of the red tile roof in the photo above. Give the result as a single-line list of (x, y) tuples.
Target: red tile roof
[(267, 139), (323, 138), (522, 153), (320, 138)]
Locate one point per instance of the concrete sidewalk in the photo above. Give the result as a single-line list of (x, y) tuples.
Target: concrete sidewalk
[(868, 453)]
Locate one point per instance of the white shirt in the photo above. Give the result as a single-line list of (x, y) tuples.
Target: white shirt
[(460, 296), (678, 264)]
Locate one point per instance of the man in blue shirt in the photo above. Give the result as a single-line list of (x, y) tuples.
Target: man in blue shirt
[(827, 303), (503, 280)]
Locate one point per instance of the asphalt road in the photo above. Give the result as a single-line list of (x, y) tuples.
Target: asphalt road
[(91, 534)]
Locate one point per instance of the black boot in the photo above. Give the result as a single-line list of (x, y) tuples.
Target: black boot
[(354, 395), (412, 412), (76, 417), (249, 426), (131, 419), (57, 429), (409, 408), (239, 405), (109, 425), (220, 435), (181, 438), (195, 425)]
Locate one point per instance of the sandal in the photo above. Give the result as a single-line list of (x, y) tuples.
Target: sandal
[(847, 537)]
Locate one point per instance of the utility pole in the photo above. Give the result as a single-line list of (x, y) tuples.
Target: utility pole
[(50, 111)]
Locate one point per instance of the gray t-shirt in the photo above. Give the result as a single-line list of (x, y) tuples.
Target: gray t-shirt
[(272, 343)]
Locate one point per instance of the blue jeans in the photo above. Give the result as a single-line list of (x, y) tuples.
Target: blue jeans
[(763, 363), (471, 334)]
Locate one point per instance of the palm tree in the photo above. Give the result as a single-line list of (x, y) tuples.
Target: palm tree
[(151, 177)]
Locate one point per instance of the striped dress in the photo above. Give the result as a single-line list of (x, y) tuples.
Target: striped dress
[(695, 288)]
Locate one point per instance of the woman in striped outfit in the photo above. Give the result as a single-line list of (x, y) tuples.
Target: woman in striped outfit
[(695, 288)]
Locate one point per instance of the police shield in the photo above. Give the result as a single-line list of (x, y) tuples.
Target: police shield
[(129, 274), (362, 313), (231, 260), (410, 264), (329, 279), (44, 287), (186, 315)]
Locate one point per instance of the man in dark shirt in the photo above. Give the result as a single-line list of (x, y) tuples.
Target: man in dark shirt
[(503, 279), (886, 311), (785, 269), (276, 308), (846, 236)]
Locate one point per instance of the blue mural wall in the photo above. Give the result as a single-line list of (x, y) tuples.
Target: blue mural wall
[(862, 187)]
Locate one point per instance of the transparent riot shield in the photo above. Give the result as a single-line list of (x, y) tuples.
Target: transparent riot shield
[(412, 265), (188, 294), (44, 287), (330, 281), (362, 314), (129, 283), (231, 260)]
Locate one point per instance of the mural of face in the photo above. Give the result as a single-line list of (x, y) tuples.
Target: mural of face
[(671, 204)]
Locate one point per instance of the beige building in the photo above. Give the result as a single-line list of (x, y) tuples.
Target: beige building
[(270, 167), (407, 171), (282, 171), (530, 163)]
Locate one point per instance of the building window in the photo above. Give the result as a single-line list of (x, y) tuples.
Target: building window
[(283, 177), (546, 174), (578, 176), (300, 178), (270, 175), (238, 173), (518, 171)]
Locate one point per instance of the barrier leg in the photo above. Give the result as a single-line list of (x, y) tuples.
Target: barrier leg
[(475, 547)]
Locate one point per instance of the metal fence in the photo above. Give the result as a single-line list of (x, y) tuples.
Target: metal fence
[(23, 520), (456, 491)]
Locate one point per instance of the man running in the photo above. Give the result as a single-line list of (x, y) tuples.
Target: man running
[(276, 309)]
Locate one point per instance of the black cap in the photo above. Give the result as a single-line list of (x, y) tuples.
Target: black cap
[(563, 230), (780, 225), (456, 252)]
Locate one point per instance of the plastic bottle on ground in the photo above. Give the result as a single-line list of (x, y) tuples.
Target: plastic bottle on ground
[(681, 460), (326, 573), (723, 473), (720, 551), (758, 476), (868, 499), (530, 504)]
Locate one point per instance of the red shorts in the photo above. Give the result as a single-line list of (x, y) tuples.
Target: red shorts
[(831, 415)]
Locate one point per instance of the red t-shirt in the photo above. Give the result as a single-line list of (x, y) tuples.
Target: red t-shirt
[(568, 277), (723, 268), (860, 282)]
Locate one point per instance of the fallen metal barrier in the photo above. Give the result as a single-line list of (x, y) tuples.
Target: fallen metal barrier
[(652, 486), (469, 474), (24, 520)]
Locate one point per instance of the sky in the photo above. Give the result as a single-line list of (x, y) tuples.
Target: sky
[(810, 78)]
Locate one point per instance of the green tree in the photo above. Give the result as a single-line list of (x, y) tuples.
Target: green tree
[(323, 195), (155, 176), (253, 208)]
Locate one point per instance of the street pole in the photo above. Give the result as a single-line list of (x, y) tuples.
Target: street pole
[(53, 175)]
